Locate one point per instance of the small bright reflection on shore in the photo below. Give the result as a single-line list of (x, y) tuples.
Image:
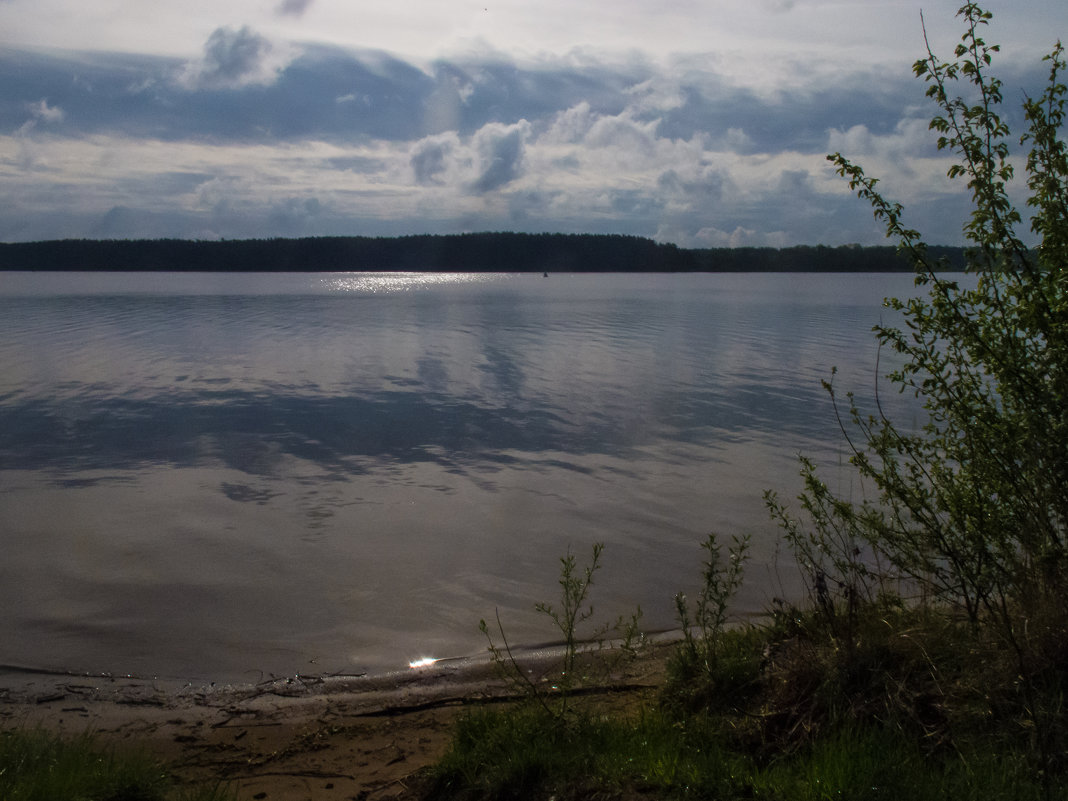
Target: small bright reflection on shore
[(422, 662)]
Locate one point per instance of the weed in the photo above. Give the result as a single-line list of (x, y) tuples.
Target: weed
[(709, 669), (574, 610)]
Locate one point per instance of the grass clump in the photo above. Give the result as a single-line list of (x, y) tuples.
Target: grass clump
[(861, 763), (40, 766), (519, 753)]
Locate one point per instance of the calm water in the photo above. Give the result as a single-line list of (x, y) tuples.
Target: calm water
[(227, 477)]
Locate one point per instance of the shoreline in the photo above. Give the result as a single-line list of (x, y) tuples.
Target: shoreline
[(284, 739)]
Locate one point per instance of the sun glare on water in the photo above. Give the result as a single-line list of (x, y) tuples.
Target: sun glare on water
[(391, 283), (422, 662)]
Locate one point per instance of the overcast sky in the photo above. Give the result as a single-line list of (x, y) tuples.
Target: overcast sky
[(700, 122)]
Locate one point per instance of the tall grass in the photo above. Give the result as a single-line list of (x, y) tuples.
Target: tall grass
[(36, 765)]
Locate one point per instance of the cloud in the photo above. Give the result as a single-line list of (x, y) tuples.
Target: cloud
[(43, 112), (444, 107), (909, 139), (656, 95), (117, 220), (571, 125), (233, 58), (336, 95), (738, 141), (430, 157), (294, 216), (705, 182), (220, 193), (40, 112), (711, 237), (29, 154), (500, 151), (293, 8), (624, 132), (258, 140)]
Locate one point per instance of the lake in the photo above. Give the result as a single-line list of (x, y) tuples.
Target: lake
[(228, 477)]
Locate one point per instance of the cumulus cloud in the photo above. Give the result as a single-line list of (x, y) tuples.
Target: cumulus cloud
[(500, 151), (656, 95), (910, 139), (220, 194), (233, 58), (572, 125), (711, 237), (431, 156), (630, 140), (623, 131)]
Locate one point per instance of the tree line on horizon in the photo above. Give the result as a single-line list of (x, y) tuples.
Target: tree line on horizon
[(476, 252)]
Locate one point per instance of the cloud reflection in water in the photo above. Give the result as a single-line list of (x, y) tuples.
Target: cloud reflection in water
[(281, 462)]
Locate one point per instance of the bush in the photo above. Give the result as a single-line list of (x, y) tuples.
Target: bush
[(971, 509)]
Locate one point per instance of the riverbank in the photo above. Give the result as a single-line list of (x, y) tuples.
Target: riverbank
[(907, 703), (289, 739)]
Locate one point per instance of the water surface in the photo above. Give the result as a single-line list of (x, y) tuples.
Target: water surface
[(226, 477)]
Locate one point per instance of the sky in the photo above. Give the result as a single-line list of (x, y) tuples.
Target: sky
[(705, 123)]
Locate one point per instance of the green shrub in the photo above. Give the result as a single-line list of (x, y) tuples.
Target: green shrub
[(970, 509)]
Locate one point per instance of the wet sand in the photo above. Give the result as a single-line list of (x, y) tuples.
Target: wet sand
[(289, 739)]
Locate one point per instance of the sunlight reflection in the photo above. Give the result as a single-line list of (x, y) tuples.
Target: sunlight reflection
[(422, 662), (384, 283)]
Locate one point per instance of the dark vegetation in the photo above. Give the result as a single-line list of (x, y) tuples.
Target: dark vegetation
[(930, 659), (482, 252), (37, 766)]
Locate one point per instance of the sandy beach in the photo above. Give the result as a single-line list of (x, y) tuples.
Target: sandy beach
[(286, 739)]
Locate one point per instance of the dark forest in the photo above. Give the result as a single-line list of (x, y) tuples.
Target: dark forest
[(477, 252)]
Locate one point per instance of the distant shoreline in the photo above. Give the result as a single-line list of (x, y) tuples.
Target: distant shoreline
[(467, 253)]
